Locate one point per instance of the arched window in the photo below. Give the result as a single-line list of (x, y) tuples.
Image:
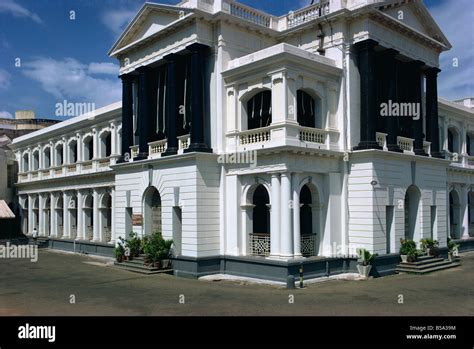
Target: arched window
[(261, 212), (72, 152), (453, 141), (152, 211), (25, 163), (88, 148), (47, 157), (306, 211), (59, 155), (105, 144), (35, 160), (259, 110), (308, 110)]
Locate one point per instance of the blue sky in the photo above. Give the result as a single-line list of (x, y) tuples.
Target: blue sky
[(64, 59)]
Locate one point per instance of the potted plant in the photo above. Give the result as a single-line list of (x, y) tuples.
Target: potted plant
[(119, 252), (157, 250), (365, 259), (430, 246), (408, 252), (453, 250)]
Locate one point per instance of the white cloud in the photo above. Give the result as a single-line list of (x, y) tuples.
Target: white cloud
[(455, 20), (103, 68), (4, 79), (71, 80), (10, 6), (6, 115), (117, 20)]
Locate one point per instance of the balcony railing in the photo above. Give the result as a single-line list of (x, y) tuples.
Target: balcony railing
[(157, 147), (87, 165), (307, 14), (259, 135), (308, 243), (71, 168), (183, 142), (133, 151), (259, 244), (405, 144), (313, 135), (250, 14)]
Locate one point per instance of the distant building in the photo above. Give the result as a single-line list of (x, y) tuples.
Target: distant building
[(23, 123)]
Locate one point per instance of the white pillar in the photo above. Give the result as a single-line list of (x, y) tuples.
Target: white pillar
[(95, 143), (52, 216), (80, 227), (30, 214), (66, 228), (41, 215), (275, 217), (286, 235), (445, 135), (112, 225), (113, 138), (65, 159), (79, 147), (465, 212), (95, 217), (296, 216)]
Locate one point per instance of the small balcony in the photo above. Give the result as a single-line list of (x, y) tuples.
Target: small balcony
[(289, 134), (157, 148)]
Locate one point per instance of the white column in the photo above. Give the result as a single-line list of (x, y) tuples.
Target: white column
[(30, 214), (113, 138), (286, 236), (79, 147), (465, 212), (65, 159), (296, 216), (41, 215), (275, 217), (112, 226), (95, 217), (52, 216), (66, 227), (445, 134), (95, 143), (80, 227), (30, 160)]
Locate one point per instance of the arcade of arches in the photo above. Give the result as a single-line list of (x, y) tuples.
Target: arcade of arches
[(70, 214)]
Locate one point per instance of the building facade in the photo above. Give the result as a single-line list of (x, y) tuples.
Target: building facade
[(258, 142)]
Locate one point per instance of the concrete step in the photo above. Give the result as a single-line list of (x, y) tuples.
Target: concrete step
[(423, 266), (423, 260), (401, 269)]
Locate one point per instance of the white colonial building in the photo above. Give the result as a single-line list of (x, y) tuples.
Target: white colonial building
[(208, 83)]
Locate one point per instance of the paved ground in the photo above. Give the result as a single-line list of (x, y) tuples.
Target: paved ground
[(45, 288)]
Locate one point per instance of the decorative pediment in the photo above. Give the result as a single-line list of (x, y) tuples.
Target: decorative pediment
[(149, 20), (415, 15)]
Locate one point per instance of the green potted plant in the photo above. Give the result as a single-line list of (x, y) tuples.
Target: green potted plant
[(119, 252), (157, 250), (365, 261), (408, 251), (453, 249), (430, 246)]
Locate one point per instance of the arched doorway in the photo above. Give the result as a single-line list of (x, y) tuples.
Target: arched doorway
[(412, 215), (47, 216), (72, 208), (260, 236), (88, 219), (308, 218), (106, 217), (36, 214), (152, 211), (454, 215), (59, 216)]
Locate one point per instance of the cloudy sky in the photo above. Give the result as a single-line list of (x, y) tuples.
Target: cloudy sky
[(46, 58)]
